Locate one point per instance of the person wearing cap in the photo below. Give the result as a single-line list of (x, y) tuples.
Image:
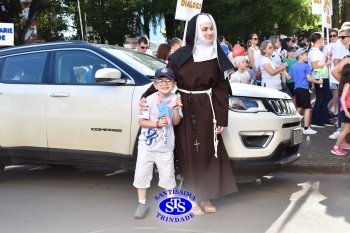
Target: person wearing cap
[(290, 60), (200, 70), (157, 141), (301, 73)]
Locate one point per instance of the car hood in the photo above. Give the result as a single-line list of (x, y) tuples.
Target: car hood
[(239, 89)]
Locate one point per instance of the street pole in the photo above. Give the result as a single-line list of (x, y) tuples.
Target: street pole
[(86, 31), (81, 23)]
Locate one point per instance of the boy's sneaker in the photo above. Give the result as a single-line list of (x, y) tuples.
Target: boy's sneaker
[(141, 211), (318, 126), (338, 151), (309, 131), (334, 135)]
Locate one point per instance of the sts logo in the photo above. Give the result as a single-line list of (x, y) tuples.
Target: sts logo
[(176, 207)]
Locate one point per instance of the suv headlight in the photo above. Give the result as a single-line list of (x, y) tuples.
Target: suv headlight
[(245, 104)]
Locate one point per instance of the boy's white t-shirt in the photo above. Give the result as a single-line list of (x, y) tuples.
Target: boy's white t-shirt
[(151, 139), (326, 49)]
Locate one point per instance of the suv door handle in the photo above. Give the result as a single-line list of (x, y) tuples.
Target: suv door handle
[(59, 94)]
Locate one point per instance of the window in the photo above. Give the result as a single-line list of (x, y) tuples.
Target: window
[(78, 67), (26, 68)]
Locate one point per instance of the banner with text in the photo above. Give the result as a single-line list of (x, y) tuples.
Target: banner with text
[(7, 34), (327, 12), (317, 7), (185, 10)]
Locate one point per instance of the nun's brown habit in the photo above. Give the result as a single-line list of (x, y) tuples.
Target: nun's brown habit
[(205, 176)]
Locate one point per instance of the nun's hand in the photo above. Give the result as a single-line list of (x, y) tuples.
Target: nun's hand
[(143, 105)]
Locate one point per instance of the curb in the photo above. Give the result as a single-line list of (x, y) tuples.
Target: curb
[(317, 168)]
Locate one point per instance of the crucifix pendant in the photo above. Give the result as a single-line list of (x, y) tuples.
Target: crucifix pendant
[(196, 144)]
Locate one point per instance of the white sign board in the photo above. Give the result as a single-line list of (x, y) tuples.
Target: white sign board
[(185, 10), (7, 34), (327, 14), (317, 7)]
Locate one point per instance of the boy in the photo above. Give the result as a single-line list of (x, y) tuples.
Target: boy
[(290, 60), (156, 141), (301, 72)]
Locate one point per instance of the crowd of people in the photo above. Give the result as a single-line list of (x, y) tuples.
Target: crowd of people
[(201, 70), (270, 64)]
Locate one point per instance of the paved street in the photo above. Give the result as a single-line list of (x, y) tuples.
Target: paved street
[(316, 155), (39, 199)]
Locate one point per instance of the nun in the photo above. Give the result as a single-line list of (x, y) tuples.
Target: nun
[(199, 69)]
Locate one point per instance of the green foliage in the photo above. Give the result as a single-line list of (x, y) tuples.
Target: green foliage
[(236, 19), (112, 20)]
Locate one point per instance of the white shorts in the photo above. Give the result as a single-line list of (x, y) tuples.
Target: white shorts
[(144, 169)]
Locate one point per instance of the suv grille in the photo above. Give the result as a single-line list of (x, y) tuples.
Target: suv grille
[(282, 107)]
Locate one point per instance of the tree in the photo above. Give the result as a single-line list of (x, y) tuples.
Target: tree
[(345, 11), (166, 10), (250, 16), (112, 20), (335, 16), (47, 14)]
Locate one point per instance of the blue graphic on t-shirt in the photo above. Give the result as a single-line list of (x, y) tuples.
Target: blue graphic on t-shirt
[(151, 136)]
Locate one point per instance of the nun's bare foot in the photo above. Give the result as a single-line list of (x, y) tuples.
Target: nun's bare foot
[(208, 207)]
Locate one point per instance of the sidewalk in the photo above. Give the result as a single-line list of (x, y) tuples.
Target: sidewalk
[(316, 156)]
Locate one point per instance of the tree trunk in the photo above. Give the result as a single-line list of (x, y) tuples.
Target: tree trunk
[(335, 16), (170, 26), (146, 24), (345, 15)]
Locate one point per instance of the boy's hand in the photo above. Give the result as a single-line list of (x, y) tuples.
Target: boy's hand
[(162, 122), (178, 102), (328, 62), (320, 81)]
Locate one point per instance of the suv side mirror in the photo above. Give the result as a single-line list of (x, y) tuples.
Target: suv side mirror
[(109, 75)]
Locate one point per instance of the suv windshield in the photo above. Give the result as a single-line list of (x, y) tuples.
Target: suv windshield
[(143, 63)]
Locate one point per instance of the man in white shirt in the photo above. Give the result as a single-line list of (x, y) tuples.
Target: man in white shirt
[(341, 49), (175, 43), (142, 46)]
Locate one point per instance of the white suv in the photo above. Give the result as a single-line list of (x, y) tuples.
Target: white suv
[(75, 103)]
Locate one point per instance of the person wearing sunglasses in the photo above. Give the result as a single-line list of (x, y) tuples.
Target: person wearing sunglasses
[(336, 72), (142, 46), (254, 55), (270, 70), (333, 83)]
